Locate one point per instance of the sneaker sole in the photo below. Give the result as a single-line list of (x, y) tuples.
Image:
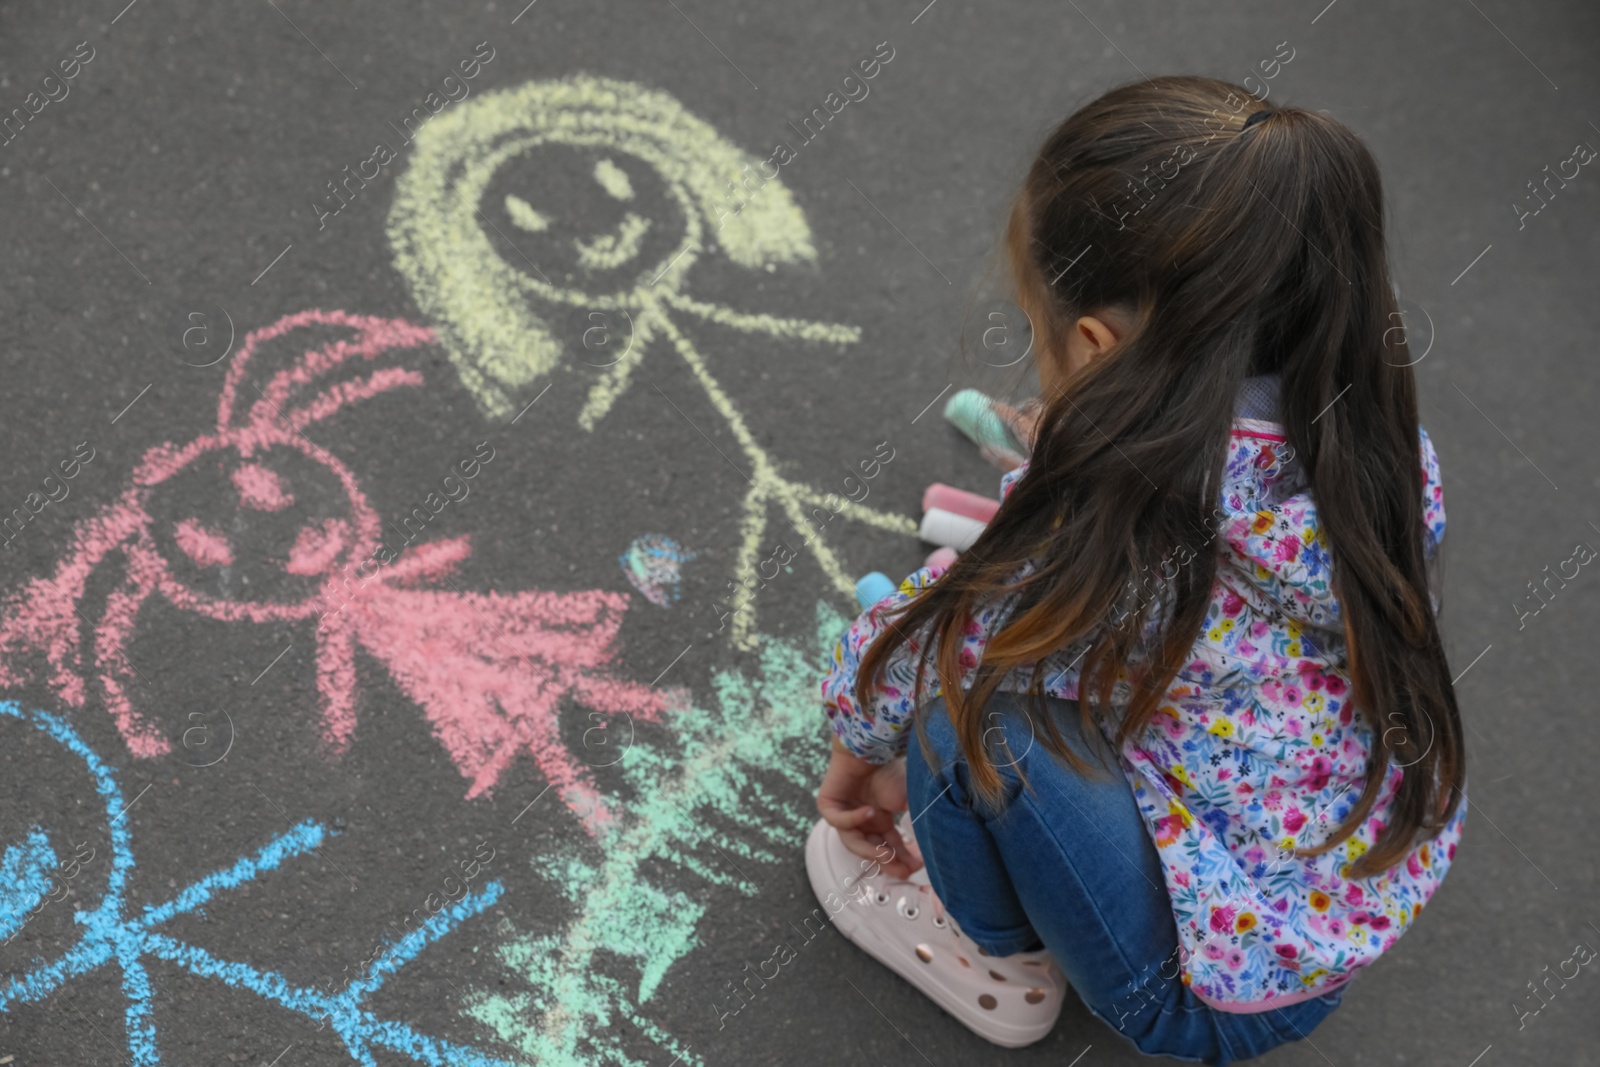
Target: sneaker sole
[(826, 878)]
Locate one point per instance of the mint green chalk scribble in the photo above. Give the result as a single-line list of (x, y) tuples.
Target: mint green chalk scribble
[(740, 779)]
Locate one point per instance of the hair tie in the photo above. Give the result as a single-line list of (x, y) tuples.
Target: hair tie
[(1256, 117)]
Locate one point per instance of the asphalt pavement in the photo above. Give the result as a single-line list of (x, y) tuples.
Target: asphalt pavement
[(400, 403)]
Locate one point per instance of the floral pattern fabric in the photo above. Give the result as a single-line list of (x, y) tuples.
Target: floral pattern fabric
[(1256, 748)]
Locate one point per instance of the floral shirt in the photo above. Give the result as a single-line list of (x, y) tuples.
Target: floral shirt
[(1255, 748)]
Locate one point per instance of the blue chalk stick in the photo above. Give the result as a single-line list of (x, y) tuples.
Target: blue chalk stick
[(873, 588)]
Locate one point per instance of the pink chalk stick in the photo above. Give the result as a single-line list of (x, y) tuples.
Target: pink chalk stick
[(959, 501), (941, 557)]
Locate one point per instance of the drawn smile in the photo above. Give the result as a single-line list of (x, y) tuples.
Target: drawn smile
[(613, 249)]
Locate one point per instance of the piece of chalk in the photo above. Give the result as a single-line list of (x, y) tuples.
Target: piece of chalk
[(940, 557), (949, 498), (973, 414), (872, 588), (941, 527)]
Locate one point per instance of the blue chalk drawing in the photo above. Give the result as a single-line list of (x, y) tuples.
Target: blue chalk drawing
[(112, 936), (654, 564), (24, 879)]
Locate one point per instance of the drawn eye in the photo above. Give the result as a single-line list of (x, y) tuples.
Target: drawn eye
[(523, 214), (261, 489), (317, 548), (206, 547), (613, 179)]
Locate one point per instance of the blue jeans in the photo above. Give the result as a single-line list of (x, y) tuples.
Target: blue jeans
[(1069, 862)]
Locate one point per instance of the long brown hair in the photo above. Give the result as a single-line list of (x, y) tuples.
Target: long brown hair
[(1240, 252)]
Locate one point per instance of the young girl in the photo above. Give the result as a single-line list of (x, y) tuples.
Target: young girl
[(1213, 574)]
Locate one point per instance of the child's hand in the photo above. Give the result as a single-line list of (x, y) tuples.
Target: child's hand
[(861, 800), (1022, 421)]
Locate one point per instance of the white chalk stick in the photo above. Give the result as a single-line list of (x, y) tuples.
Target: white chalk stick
[(941, 527)]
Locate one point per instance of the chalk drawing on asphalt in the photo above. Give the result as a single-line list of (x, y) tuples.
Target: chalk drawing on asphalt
[(733, 792), (653, 563), (491, 671), (123, 936), (506, 319)]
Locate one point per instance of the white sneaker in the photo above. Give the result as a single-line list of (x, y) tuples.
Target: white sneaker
[(1009, 1000)]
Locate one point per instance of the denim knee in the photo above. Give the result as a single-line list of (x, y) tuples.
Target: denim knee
[(1006, 739), (1016, 745), (934, 718)]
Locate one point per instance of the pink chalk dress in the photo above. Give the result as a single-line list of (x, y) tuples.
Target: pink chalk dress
[(1256, 748)]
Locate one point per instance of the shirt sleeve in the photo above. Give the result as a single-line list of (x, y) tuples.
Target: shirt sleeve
[(1432, 508), (1432, 497), (1010, 477), (877, 733)]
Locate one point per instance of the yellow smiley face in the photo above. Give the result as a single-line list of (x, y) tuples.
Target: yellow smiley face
[(589, 218), (520, 207)]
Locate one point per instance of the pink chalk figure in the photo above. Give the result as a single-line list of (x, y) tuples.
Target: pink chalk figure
[(491, 671)]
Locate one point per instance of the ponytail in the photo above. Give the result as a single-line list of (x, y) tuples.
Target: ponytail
[(1236, 253)]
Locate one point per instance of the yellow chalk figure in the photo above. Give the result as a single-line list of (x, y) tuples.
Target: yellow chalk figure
[(538, 164)]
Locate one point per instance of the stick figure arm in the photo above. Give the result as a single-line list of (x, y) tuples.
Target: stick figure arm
[(788, 329), (303, 838)]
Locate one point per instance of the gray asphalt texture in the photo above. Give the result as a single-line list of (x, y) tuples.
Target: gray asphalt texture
[(187, 156)]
